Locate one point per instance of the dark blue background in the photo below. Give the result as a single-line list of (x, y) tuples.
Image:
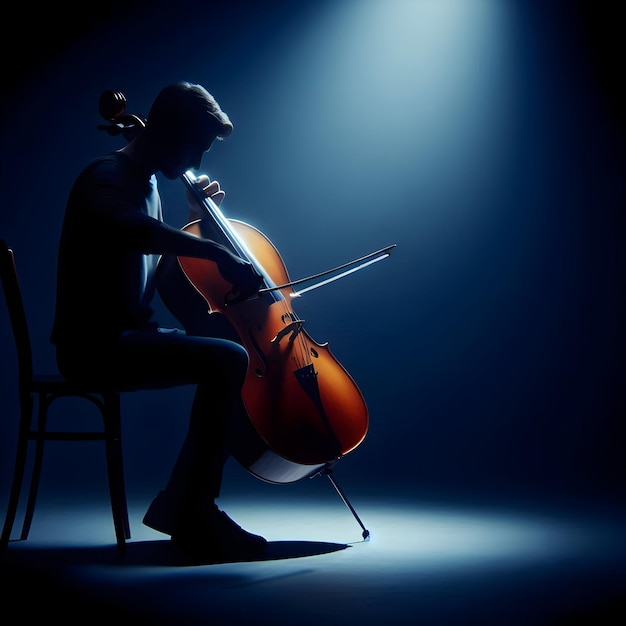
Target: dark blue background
[(490, 346)]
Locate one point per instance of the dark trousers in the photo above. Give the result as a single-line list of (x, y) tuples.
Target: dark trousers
[(157, 359)]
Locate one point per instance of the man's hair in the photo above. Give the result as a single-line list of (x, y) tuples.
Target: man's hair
[(183, 109)]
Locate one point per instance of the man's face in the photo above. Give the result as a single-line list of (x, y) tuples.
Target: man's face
[(185, 154)]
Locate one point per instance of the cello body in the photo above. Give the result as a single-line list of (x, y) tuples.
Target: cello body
[(304, 411)]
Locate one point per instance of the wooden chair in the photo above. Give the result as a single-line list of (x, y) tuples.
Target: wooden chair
[(37, 393)]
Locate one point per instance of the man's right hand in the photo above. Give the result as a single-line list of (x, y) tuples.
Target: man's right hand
[(240, 273)]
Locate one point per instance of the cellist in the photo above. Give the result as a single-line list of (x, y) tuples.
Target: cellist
[(104, 330)]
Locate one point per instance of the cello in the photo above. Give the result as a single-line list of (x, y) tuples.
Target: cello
[(304, 412)]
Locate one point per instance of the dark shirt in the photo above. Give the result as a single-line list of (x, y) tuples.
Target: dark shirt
[(106, 261)]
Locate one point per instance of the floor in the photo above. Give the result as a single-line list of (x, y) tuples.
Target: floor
[(423, 563)]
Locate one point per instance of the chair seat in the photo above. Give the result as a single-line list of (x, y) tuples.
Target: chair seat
[(55, 383)]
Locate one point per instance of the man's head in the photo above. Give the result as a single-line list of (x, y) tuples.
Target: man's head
[(183, 122)]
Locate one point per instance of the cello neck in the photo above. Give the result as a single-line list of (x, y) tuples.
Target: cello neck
[(221, 230), (213, 212)]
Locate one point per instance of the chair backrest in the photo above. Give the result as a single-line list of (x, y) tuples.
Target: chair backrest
[(17, 314)]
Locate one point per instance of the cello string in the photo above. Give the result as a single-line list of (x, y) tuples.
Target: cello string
[(300, 353)]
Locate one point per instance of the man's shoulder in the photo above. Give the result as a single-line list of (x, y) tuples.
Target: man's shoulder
[(108, 169), (112, 162)]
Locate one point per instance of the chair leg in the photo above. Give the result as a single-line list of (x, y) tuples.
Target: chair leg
[(111, 413), (115, 468), (44, 403), (18, 473)]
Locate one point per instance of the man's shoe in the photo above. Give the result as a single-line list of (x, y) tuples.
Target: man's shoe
[(160, 515), (214, 535)]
